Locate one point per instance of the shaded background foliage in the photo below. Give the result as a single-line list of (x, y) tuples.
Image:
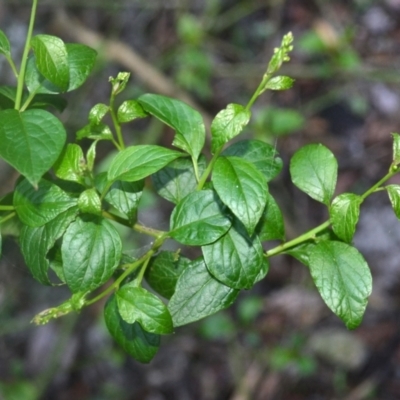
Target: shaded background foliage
[(279, 341)]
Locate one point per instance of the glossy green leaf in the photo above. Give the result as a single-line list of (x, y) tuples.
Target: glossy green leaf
[(235, 259), (136, 304), (164, 271), (130, 110), (36, 207), (91, 251), (96, 132), (242, 188), (52, 59), (264, 269), (394, 197), (198, 294), (35, 81), (313, 169), (271, 226), (138, 343), (199, 219), (177, 179), (188, 124), (70, 166), (81, 60), (227, 124), (138, 162), (97, 113), (119, 83), (396, 148), (343, 279), (89, 202), (31, 141), (264, 156), (344, 213), (279, 83), (37, 242), (5, 47), (124, 196)]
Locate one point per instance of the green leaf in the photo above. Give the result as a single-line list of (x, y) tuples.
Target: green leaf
[(138, 343), (271, 226), (138, 162), (227, 124), (176, 180), (130, 110), (7, 97), (235, 259), (164, 271), (262, 155), (5, 47), (97, 113), (96, 132), (313, 169), (52, 59), (81, 60), (89, 202), (124, 196), (190, 131), (396, 148), (70, 166), (279, 83), (37, 242), (198, 294), (394, 196), (242, 188), (36, 207), (91, 251), (199, 219), (119, 83), (44, 100), (136, 304), (31, 141), (343, 279), (344, 213)]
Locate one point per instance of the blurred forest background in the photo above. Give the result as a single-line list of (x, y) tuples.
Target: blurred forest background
[(280, 341)]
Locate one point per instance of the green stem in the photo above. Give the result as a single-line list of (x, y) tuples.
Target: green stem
[(28, 101), (208, 170), (137, 227), (311, 234), (196, 169), (258, 91), (12, 65), (117, 126), (21, 75), (7, 217), (7, 208)]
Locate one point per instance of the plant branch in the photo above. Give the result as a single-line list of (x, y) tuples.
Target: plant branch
[(117, 126), (7, 217), (21, 75), (208, 170)]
